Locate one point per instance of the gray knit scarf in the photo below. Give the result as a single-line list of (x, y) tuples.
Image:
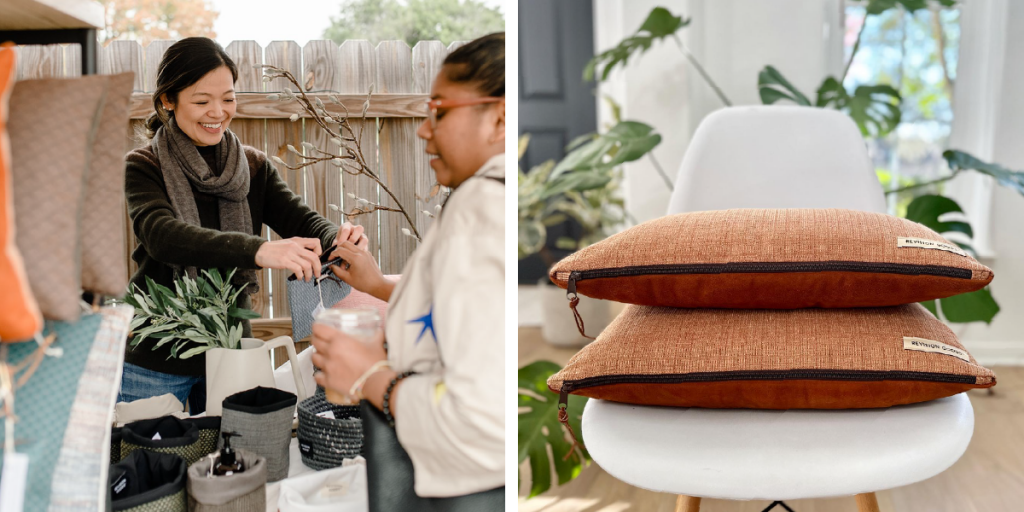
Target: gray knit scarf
[(182, 165)]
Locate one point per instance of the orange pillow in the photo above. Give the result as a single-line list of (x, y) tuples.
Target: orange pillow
[(773, 359), (772, 259), (20, 318)]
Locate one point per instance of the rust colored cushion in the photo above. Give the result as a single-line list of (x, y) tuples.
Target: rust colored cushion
[(52, 128), (104, 261), (19, 313), (773, 359), (773, 259)]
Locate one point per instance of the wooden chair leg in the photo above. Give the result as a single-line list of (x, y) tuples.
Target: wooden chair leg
[(687, 504), (867, 502)]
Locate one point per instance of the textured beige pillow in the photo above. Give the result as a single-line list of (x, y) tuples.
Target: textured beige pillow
[(52, 128), (773, 359), (774, 259), (104, 267)]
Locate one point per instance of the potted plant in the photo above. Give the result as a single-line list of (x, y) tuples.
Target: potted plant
[(200, 316)]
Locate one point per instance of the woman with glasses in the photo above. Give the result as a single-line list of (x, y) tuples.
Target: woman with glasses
[(440, 380)]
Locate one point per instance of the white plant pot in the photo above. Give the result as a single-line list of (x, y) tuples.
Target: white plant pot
[(229, 371), (558, 326)]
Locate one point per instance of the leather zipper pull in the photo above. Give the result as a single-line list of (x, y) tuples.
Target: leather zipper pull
[(563, 418), (574, 299)]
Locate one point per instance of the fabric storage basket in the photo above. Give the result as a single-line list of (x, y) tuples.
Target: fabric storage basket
[(325, 442), (163, 435), (262, 418), (333, 490), (240, 492), (209, 432), (115, 445), (147, 481)]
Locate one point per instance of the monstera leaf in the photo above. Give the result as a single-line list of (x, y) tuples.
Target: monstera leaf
[(875, 108), (660, 23), (977, 306), (880, 6), (539, 428), (961, 160), (627, 141)]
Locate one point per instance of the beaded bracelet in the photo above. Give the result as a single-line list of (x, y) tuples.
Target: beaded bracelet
[(387, 397)]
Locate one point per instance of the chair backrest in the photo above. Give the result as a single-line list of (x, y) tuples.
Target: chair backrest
[(776, 157)]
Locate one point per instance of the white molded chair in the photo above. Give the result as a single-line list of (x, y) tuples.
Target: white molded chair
[(776, 157)]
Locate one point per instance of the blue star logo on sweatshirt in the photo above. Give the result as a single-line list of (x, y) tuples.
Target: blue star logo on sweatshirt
[(428, 324)]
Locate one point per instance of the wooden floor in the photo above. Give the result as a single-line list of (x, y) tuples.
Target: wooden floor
[(988, 478)]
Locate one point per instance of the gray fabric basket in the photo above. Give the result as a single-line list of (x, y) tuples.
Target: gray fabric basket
[(240, 492), (323, 442), (304, 298), (263, 417)]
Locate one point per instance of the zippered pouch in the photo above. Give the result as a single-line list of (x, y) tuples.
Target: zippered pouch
[(772, 259), (773, 359)]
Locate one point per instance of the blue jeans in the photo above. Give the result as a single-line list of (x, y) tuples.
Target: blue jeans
[(138, 383)]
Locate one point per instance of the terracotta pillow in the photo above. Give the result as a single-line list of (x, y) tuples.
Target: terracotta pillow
[(19, 314), (773, 359), (52, 128), (773, 259), (104, 265)]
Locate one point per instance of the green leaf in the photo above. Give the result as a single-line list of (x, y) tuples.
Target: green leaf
[(961, 160), (524, 141), (660, 23), (875, 108), (625, 142), (930, 306), (567, 243), (976, 306), (194, 351), (577, 180), (876, 7), (772, 87), (927, 209), (532, 235), (539, 428)]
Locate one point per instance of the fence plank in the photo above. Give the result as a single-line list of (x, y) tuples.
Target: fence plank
[(319, 73), (119, 57), (39, 61), (358, 69), (72, 60), (251, 132), (151, 62), (257, 106), (281, 132), (427, 58), (397, 162)]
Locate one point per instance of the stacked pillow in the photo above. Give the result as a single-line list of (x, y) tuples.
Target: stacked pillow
[(772, 309)]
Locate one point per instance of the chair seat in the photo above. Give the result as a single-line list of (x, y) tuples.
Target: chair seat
[(743, 454)]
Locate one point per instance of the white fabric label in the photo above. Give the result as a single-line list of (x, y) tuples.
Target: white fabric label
[(923, 345), (156, 437), (12, 482), (327, 414), (924, 243)]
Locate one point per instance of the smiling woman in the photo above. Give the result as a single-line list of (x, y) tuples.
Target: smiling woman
[(198, 199)]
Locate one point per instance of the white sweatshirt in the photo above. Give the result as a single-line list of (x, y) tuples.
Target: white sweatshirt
[(446, 321)]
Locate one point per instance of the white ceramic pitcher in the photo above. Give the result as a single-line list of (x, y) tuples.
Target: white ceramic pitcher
[(229, 371)]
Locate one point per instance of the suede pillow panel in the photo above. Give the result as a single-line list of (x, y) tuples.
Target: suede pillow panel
[(104, 268), (772, 259), (20, 317), (45, 115), (773, 359)]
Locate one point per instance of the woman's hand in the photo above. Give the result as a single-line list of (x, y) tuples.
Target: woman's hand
[(361, 271), (349, 232), (342, 359), (300, 255)]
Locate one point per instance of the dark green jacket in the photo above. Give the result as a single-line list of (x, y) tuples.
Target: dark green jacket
[(165, 239)]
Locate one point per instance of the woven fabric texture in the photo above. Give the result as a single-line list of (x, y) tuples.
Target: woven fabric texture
[(670, 356), (19, 314), (82, 465), (48, 216), (773, 236), (104, 269), (241, 492)]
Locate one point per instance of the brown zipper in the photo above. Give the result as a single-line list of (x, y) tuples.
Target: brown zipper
[(755, 267), (848, 375)]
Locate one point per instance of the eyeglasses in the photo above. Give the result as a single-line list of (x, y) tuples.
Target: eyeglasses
[(434, 105)]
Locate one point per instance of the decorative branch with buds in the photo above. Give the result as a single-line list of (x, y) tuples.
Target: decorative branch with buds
[(349, 157)]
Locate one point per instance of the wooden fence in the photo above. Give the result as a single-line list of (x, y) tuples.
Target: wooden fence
[(401, 79)]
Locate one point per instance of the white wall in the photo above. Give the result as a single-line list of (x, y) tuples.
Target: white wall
[(734, 40)]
